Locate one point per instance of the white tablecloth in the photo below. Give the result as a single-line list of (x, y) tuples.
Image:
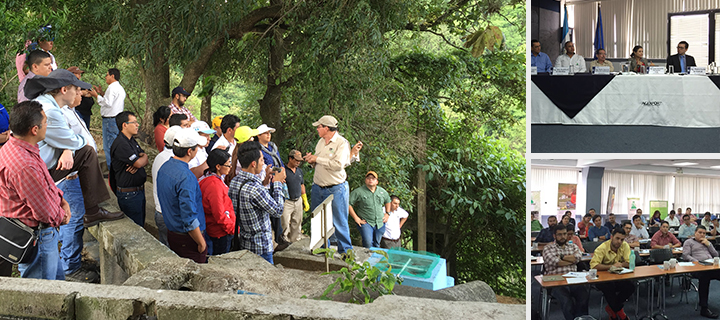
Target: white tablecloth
[(659, 100)]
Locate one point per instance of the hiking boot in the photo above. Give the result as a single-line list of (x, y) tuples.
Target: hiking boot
[(282, 246), (100, 216), (82, 275)]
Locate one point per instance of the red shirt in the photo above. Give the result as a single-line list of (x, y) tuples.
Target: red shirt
[(160, 136), (27, 191), (658, 239), (219, 212)]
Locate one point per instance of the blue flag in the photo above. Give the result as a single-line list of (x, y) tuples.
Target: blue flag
[(599, 40)]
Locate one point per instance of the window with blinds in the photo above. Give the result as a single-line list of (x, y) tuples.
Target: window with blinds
[(693, 29)]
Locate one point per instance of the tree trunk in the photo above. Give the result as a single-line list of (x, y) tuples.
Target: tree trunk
[(421, 187), (156, 78), (270, 105), (205, 109)]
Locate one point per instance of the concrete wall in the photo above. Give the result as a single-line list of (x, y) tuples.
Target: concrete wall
[(31, 298)]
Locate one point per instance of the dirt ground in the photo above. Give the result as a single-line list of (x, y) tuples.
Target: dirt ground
[(509, 300)]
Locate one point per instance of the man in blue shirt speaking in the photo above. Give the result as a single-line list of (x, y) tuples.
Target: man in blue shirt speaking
[(180, 198), (539, 59)]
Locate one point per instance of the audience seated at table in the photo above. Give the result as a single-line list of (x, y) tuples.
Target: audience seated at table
[(639, 213), (584, 225), (611, 224), (535, 224), (687, 229), (706, 220), (716, 225), (601, 62), (655, 220), (699, 248), (546, 235), (672, 219), (598, 230), (638, 229), (630, 239), (615, 252), (572, 237), (664, 238), (571, 219), (561, 257)]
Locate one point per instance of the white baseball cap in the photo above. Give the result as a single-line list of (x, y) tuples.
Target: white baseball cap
[(264, 128), (202, 126), (328, 121), (170, 134), (188, 138)]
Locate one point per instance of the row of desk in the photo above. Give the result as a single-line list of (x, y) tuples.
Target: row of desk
[(640, 272)]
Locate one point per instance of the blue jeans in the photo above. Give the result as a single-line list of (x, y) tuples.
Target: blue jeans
[(572, 299), (219, 245), (371, 236), (162, 228), (109, 132), (47, 264), (71, 234), (84, 118), (268, 256), (133, 205), (340, 211)]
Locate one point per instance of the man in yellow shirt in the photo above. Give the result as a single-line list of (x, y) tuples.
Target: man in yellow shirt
[(614, 252)]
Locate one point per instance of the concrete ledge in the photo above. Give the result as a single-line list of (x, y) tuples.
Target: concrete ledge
[(68, 300), (126, 245)]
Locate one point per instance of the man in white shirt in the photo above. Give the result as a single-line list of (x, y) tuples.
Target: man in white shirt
[(398, 216), (111, 103), (228, 125), (160, 159), (672, 219), (570, 59), (706, 221), (638, 229)]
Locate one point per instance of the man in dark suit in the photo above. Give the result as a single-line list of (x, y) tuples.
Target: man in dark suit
[(680, 61)]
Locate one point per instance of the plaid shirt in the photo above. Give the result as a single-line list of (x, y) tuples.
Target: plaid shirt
[(254, 206), (27, 191), (552, 255), (182, 110)]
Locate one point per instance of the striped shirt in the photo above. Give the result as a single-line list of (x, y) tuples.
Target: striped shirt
[(254, 206)]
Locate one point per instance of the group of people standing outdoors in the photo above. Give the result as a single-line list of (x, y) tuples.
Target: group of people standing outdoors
[(212, 194)]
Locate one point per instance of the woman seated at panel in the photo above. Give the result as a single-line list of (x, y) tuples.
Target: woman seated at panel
[(637, 61)]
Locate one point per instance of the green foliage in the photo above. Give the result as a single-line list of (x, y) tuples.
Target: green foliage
[(476, 190), (360, 280)]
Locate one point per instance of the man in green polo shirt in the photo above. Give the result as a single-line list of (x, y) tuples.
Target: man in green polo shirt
[(369, 206)]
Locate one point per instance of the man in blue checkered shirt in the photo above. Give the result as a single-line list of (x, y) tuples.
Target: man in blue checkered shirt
[(253, 203)]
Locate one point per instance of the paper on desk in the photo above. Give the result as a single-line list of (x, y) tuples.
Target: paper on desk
[(643, 251), (709, 260), (576, 280), (575, 275), (685, 264), (625, 270)]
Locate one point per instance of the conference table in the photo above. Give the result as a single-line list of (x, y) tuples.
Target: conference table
[(612, 106), (640, 272)]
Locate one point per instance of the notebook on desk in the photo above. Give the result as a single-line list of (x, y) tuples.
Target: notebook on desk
[(553, 278)]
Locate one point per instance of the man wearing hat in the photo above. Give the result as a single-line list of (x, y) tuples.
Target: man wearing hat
[(180, 198), (179, 96), (160, 159), (297, 201), (332, 155), (64, 151), (369, 207), (84, 110), (111, 103), (218, 132)]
